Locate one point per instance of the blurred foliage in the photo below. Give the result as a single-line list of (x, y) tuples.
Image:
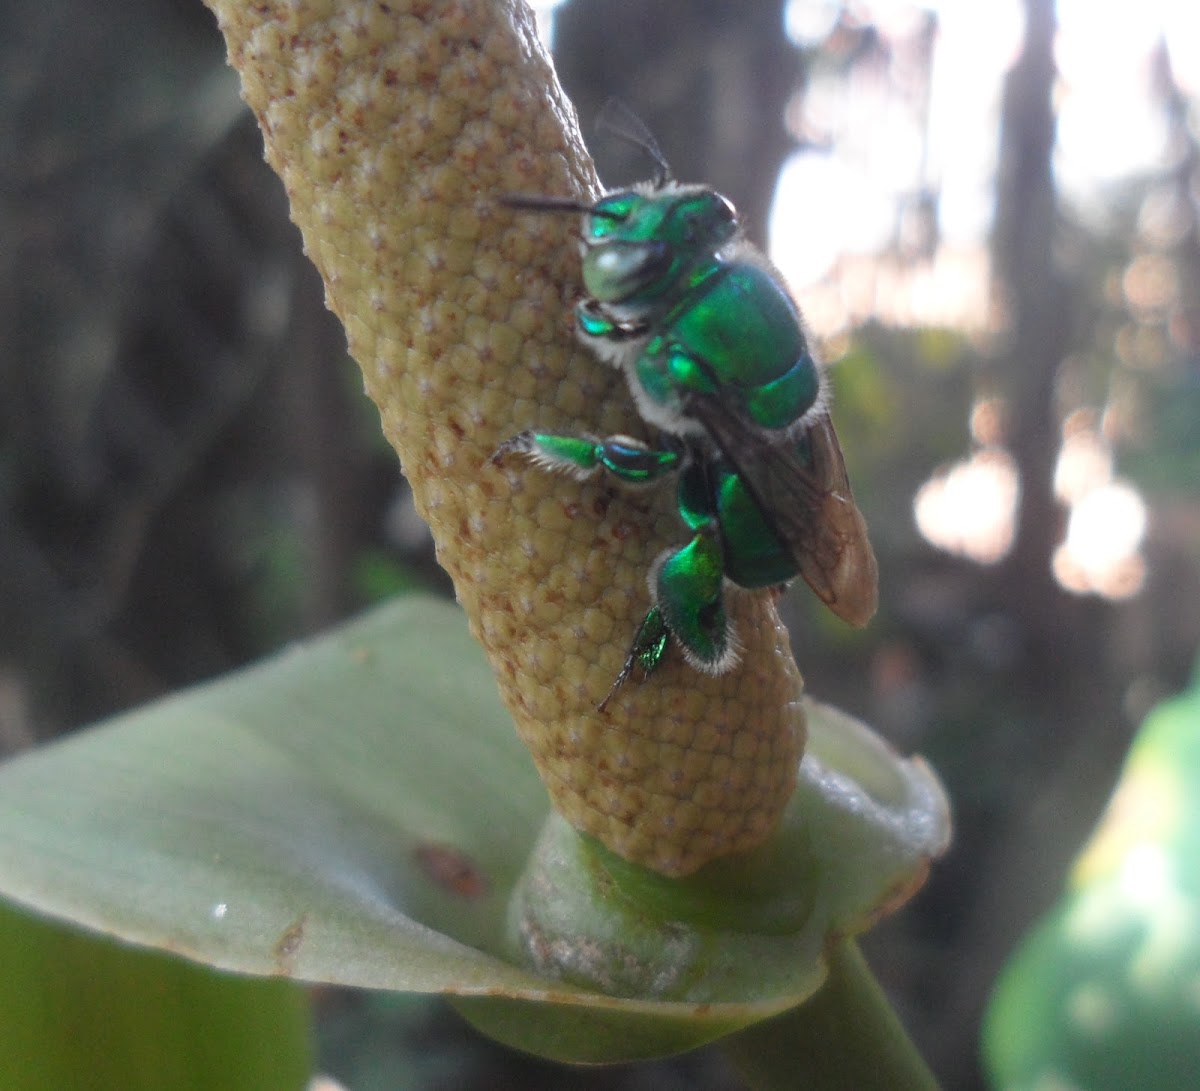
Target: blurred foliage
[(181, 425), (89, 1014), (1170, 466), (1103, 993)]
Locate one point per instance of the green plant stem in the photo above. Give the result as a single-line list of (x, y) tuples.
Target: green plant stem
[(847, 1035)]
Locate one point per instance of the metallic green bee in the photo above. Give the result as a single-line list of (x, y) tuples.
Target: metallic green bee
[(716, 357)]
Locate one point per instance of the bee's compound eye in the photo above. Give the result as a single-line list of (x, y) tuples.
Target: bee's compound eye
[(616, 206), (608, 213), (723, 209), (706, 218)]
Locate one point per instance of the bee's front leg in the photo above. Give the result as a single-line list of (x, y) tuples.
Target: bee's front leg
[(630, 461)]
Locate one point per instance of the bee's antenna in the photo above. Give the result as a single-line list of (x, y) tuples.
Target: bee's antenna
[(618, 119), (536, 203)]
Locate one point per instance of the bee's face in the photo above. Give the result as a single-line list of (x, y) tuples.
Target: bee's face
[(643, 242)]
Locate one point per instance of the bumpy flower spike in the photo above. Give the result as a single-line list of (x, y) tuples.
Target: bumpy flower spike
[(396, 127)]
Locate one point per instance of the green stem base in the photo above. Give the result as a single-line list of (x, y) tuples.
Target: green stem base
[(847, 1035)]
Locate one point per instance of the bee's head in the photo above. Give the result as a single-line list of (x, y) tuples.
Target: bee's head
[(641, 241)]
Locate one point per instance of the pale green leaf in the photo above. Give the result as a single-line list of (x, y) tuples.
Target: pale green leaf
[(358, 810)]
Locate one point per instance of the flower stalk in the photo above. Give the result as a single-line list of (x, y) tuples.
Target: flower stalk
[(846, 1035), (396, 128)]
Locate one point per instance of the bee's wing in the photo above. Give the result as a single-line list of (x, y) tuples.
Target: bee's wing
[(810, 505)]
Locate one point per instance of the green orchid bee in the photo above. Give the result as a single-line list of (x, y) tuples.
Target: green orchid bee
[(716, 356)]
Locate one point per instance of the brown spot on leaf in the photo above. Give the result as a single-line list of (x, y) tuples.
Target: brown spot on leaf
[(289, 943), (452, 870)]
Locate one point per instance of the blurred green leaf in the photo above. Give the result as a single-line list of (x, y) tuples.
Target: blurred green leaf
[(1105, 991), (379, 575), (85, 1013)]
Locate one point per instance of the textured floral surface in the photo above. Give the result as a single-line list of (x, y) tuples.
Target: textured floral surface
[(395, 126)]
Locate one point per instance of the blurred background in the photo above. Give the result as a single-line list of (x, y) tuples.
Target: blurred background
[(990, 213)]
